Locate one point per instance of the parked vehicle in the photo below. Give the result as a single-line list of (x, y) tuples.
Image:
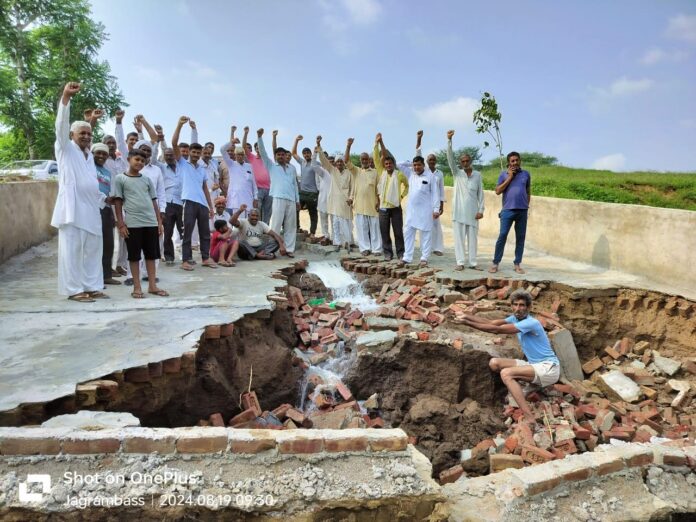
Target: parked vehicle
[(36, 169)]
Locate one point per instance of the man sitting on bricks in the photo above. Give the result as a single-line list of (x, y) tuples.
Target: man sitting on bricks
[(542, 367)]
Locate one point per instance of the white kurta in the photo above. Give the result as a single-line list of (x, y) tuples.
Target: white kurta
[(468, 192), (76, 214), (242, 189), (423, 200)]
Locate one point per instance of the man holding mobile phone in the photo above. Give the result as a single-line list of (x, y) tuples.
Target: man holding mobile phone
[(515, 186)]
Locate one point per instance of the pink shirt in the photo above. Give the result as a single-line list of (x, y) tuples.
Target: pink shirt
[(263, 179)]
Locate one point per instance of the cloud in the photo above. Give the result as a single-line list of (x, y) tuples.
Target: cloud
[(456, 112), (362, 12), (338, 16), (610, 162), (657, 55), (624, 86), (682, 27), (359, 110)]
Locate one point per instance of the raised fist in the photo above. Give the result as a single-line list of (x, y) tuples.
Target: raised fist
[(234, 128), (242, 207), (378, 138), (183, 119), (275, 133), (87, 114), (319, 140), (350, 141), (246, 130), (97, 113), (192, 124), (71, 89), (450, 133), (119, 114), (419, 133), (299, 137), (259, 132)]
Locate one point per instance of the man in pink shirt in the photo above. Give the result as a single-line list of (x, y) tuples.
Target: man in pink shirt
[(262, 177)]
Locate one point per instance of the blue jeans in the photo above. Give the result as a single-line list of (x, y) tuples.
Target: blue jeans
[(507, 218)]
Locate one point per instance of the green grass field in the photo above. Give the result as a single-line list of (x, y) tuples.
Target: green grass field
[(639, 188)]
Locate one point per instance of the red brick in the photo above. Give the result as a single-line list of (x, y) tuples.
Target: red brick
[(256, 445), (535, 455), (226, 330), (567, 447), (625, 345), (423, 336), (511, 443), (296, 416), (612, 353), (149, 445), (482, 447), (390, 443), (479, 292), (458, 344), (301, 445), (610, 467), (216, 420), (451, 475), (639, 460), (172, 365), (29, 446), (581, 433), (137, 374), (212, 331), (201, 444), (675, 460), (188, 361), (592, 365), (577, 475), (343, 390), (155, 369), (83, 447), (499, 462), (347, 444), (587, 410), (281, 411), (245, 416)]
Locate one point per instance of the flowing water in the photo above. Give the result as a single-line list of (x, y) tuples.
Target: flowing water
[(346, 289)]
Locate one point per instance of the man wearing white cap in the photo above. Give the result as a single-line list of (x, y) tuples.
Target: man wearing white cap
[(241, 188), (100, 151), (77, 211)]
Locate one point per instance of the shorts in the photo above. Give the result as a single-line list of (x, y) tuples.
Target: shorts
[(145, 240), (215, 253), (545, 373)]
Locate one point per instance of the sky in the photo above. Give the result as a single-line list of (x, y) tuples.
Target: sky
[(597, 84)]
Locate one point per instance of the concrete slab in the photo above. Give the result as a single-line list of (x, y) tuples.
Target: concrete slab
[(50, 344)]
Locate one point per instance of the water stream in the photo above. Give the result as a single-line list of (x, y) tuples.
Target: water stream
[(346, 289)]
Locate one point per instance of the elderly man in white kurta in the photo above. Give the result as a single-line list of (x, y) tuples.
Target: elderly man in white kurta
[(77, 212), (364, 200), (467, 207), (431, 166), (339, 195), (324, 185), (422, 208), (241, 189)]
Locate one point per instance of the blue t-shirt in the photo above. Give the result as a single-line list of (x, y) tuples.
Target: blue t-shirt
[(192, 184), (104, 178), (533, 340), (515, 195)]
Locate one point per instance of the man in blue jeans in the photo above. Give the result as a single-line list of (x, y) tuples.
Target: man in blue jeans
[(515, 186)]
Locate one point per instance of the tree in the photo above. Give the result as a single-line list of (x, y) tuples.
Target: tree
[(533, 159), (487, 119), (43, 44), (443, 165)]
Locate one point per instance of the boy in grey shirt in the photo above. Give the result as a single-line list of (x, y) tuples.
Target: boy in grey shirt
[(142, 227)]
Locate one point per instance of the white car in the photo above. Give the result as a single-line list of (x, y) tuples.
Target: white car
[(36, 169)]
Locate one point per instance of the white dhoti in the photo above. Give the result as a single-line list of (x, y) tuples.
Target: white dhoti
[(342, 230), (465, 242), (122, 259), (437, 239), (284, 216), (79, 261), (324, 220), (368, 234), (410, 243)]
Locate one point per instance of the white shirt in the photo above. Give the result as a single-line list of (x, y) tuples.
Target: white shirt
[(79, 199), (242, 187), (423, 200), (155, 174)]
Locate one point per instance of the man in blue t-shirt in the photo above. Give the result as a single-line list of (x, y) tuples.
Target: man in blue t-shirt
[(515, 186), (542, 367)]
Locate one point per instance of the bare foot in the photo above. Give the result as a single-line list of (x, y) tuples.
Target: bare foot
[(459, 268), (519, 270), (493, 269)]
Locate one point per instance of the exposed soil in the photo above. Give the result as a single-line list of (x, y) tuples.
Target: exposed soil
[(446, 398)]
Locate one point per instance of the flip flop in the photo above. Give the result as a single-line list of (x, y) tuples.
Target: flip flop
[(519, 270), (159, 292), (81, 298), (476, 268), (423, 263), (459, 268), (137, 295), (187, 268), (208, 265), (98, 295), (493, 269)]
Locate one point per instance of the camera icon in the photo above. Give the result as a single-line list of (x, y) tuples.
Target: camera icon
[(26, 496)]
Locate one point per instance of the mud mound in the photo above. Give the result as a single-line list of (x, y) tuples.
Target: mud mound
[(444, 397)]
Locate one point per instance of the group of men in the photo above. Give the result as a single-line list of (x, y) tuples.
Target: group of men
[(258, 197)]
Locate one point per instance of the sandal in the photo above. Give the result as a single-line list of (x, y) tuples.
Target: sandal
[(474, 267), (137, 295), (493, 269), (209, 265), (519, 270), (98, 295), (459, 268), (423, 264), (81, 298), (187, 267), (231, 263), (159, 292)]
